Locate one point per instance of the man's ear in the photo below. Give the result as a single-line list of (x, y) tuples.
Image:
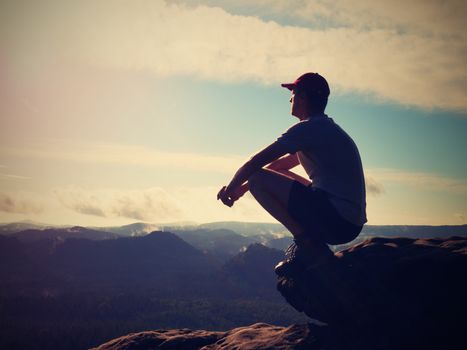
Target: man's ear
[(304, 100), (301, 95)]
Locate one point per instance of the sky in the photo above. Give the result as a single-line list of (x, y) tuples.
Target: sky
[(119, 111)]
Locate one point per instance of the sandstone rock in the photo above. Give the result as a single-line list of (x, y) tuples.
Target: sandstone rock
[(388, 293), (263, 336), (172, 339), (257, 336)]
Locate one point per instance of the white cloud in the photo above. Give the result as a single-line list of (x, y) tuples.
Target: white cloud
[(94, 152), (159, 205), (424, 17), (151, 204), (8, 176), (14, 177), (411, 53), (107, 206), (20, 203), (432, 17), (373, 187), (423, 181), (460, 218), (80, 201)]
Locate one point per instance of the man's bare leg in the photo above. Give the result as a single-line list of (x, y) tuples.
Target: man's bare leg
[(271, 189)]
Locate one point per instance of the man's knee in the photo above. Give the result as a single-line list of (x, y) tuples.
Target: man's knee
[(256, 179)]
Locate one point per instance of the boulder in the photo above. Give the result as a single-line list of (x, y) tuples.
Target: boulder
[(387, 293)]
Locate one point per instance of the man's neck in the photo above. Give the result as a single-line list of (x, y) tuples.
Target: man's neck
[(315, 115)]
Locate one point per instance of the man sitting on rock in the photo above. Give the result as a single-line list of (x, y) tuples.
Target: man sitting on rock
[(329, 209)]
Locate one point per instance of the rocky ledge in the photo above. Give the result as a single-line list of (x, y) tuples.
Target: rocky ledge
[(383, 293), (256, 336)]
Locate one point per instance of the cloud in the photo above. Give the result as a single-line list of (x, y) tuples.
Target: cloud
[(95, 152), (198, 203), (79, 201), (373, 187), (410, 53), (159, 205), (460, 218), (91, 152), (14, 177), (19, 203), (421, 16), (420, 180), (152, 204)]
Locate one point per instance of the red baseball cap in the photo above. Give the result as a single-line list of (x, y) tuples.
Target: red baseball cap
[(311, 83)]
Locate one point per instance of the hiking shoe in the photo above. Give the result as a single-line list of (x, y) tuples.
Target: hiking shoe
[(289, 268), (300, 257), (292, 265)]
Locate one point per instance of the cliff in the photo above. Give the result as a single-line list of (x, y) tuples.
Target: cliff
[(382, 294)]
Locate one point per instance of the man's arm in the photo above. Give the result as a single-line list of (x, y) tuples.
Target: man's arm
[(283, 166), (285, 163), (272, 152), (294, 176), (235, 189), (280, 166)]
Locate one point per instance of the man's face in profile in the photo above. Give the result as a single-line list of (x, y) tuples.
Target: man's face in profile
[(298, 108)]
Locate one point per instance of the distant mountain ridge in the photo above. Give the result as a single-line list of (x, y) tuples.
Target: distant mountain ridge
[(156, 260), (159, 261), (13, 227), (222, 243), (33, 235), (247, 228), (254, 266), (131, 230), (243, 228), (80, 292), (223, 239), (157, 280)]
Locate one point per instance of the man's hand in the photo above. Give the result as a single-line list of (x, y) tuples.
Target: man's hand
[(226, 197)]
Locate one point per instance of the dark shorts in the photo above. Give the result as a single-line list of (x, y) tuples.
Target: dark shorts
[(311, 208)]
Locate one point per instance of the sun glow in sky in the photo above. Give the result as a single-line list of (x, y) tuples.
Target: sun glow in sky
[(119, 111)]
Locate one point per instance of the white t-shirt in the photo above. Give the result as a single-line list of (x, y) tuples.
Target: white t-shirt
[(332, 161)]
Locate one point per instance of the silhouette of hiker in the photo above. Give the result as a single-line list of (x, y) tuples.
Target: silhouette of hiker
[(329, 209)]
